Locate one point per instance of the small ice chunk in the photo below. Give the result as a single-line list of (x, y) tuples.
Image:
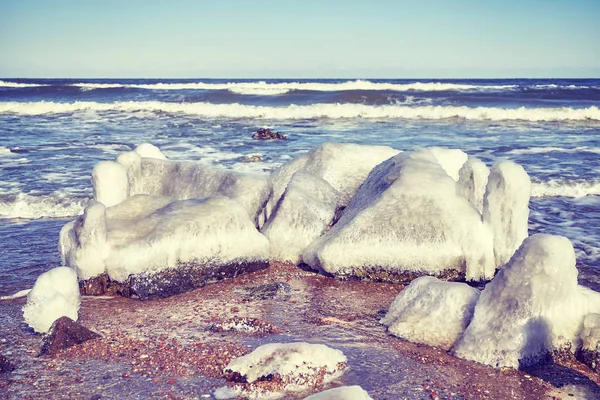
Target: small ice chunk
[(110, 182), (150, 151), (54, 295), (532, 307), (341, 393), (303, 213), (432, 312), (295, 366), (506, 208), (473, 177)]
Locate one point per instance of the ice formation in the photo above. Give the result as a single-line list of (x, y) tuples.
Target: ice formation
[(54, 295), (341, 393), (343, 165), (295, 366), (432, 312), (147, 234), (407, 216), (506, 208), (531, 308), (589, 353), (472, 181), (302, 214)]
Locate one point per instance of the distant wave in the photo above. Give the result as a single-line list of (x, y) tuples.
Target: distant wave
[(545, 150), (55, 205), (334, 111), (265, 88), (19, 85), (565, 188)]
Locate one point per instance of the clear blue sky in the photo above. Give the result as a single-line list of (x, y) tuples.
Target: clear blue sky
[(294, 38)]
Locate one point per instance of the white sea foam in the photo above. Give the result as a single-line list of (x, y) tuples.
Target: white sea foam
[(565, 188), (19, 85), (55, 205), (265, 88), (544, 150), (322, 110)]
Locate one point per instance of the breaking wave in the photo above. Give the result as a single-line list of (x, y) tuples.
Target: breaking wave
[(545, 150), (19, 85), (314, 111), (55, 205), (565, 188)]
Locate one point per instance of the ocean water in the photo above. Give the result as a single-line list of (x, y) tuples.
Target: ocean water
[(52, 132)]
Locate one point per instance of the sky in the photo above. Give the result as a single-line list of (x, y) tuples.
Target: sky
[(302, 39)]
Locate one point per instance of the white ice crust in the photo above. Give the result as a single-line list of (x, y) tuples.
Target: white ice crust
[(590, 333), (341, 393), (432, 312), (150, 151), (407, 216), (54, 295), (532, 307), (298, 364), (472, 181), (150, 233), (506, 208), (302, 214)]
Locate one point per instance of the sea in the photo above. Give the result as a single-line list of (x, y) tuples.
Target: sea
[(53, 131)]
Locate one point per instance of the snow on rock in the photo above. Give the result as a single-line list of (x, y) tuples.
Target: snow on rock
[(276, 368), (302, 214), (532, 307), (343, 165), (432, 312), (472, 181), (506, 208), (159, 246), (341, 393), (404, 221), (54, 295)]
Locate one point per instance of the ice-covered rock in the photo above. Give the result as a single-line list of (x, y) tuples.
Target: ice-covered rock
[(432, 312), (506, 208), (589, 353), (341, 393), (109, 180), (54, 295), (157, 246), (343, 165), (302, 214), (150, 151), (472, 181), (532, 307), (451, 160), (273, 369), (407, 220)]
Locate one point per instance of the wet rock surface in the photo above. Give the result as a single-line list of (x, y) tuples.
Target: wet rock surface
[(6, 365), (280, 290), (164, 348), (268, 134), (63, 334)]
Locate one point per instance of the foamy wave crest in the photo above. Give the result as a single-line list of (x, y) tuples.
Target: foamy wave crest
[(544, 150), (19, 85), (565, 188), (313, 111), (265, 88), (55, 205)]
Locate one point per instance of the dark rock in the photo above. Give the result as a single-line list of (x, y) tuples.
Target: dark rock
[(251, 326), (253, 158), (6, 365), (281, 290), (590, 358), (268, 134), (64, 333)]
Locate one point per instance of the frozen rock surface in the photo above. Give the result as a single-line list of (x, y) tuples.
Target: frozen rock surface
[(302, 214), (275, 368), (432, 312), (156, 246), (472, 181), (54, 295), (532, 308), (407, 220), (589, 353), (341, 393)]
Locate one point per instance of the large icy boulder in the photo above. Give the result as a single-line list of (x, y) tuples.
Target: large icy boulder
[(273, 369), (341, 393), (147, 171), (407, 220), (343, 165), (158, 246), (432, 312), (302, 214), (55, 294), (532, 307)]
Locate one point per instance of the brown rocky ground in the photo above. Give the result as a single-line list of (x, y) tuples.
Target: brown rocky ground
[(177, 347)]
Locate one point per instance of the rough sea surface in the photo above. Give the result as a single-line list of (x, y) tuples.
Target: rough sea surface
[(52, 132)]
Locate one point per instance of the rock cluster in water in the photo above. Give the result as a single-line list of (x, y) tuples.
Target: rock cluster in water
[(268, 134)]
